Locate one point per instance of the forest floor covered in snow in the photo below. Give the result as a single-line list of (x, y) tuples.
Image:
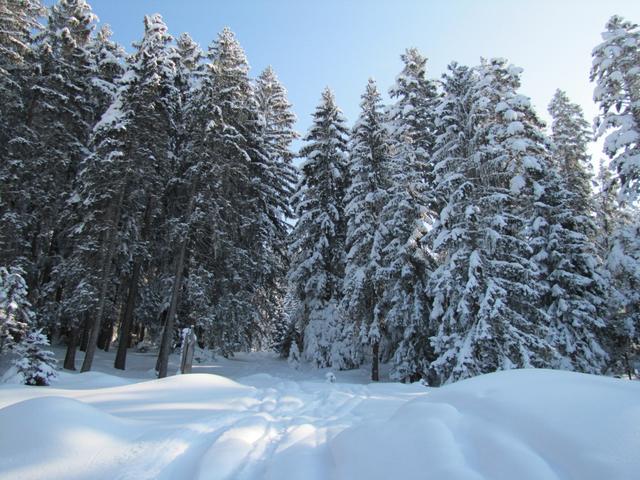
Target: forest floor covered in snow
[(253, 417)]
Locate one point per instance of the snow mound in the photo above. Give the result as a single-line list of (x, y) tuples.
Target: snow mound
[(524, 424), (89, 380), (55, 437), (194, 381), (519, 424)]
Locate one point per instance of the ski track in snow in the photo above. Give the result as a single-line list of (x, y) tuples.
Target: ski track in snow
[(259, 438)]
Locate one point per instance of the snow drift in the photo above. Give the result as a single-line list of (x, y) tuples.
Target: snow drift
[(524, 424)]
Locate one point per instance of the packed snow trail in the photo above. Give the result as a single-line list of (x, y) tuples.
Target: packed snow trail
[(525, 424)]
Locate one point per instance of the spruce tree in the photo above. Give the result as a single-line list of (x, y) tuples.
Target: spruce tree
[(412, 125), (277, 124), (51, 139), (492, 156), (622, 335), (615, 72), (618, 245), (576, 290), (121, 182), (35, 364), (409, 210), (108, 65), (317, 240), (365, 198), (16, 316), (19, 20), (570, 134)]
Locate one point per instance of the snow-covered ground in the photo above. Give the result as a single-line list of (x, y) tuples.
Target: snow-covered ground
[(253, 417)]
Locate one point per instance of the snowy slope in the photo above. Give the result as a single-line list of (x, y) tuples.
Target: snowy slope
[(524, 424)]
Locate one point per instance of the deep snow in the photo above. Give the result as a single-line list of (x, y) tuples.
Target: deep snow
[(270, 421)]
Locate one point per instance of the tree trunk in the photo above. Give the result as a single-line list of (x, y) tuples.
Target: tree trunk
[(127, 319), (163, 356), (105, 269), (85, 333), (108, 337), (126, 322), (56, 328), (165, 347), (375, 362), (70, 355), (106, 332)]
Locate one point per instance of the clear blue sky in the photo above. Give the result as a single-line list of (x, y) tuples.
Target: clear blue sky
[(341, 43)]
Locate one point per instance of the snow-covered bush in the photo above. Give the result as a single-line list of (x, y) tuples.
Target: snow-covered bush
[(144, 347), (34, 363)]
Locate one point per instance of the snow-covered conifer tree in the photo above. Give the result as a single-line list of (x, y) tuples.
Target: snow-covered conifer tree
[(317, 241), (280, 175), (365, 199), (16, 316), (409, 210), (571, 134), (35, 364), (108, 65), (19, 20), (51, 137), (616, 72), (619, 246), (617, 76), (622, 336), (120, 184), (491, 156), (576, 290)]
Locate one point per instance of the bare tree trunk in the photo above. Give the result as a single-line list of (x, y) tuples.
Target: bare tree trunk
[(108, 337), (163, 321), (105, 269), (163, 355), (127, 319), (106, 334), (165, 347), (375, 362), (85, 333)]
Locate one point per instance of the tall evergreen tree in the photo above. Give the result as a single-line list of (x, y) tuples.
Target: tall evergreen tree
[(491, 158), (16, 316), (108, 65), (409, 211), (618, 245), (365, 236), (126, 175), (19, 20), (576, 290), (615, 72), (571, 134), (51, 139), (317, 241), (617, 91), (277, 122), (622, 336)]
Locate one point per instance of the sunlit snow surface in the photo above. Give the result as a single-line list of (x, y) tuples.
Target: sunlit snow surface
[(523, 424)]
